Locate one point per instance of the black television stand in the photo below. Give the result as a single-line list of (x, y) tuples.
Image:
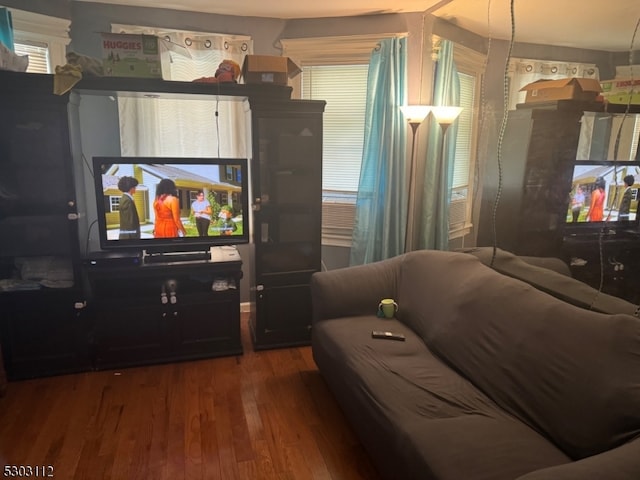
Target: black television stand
[(176, 307)]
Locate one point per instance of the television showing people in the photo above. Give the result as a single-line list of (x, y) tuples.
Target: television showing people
[(603, 192), (147, 202)]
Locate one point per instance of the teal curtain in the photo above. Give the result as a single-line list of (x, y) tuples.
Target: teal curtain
[(6, 28), (436, 194), (381, 204)]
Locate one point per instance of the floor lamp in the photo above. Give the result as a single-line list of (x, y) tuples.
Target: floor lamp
[(415, 115), (445, 116)]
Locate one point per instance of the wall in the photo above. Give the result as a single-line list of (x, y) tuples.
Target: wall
[(53, 8)]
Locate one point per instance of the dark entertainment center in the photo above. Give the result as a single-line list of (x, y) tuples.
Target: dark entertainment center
[(69, 305), (543, 149)]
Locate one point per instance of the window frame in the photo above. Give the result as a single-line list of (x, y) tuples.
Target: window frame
[(338, 207), (42, 29), (473, 63)]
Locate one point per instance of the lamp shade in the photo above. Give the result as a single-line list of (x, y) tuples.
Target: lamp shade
[(446, 115), (415, 113)]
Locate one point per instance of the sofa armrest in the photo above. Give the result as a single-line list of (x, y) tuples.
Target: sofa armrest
[(556, 284), (621, 463), (353, 290)]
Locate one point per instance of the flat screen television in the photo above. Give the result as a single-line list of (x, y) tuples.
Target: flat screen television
[(614, 205), (171, 204)]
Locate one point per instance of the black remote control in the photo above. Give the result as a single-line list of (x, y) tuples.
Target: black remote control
[(387, 335)]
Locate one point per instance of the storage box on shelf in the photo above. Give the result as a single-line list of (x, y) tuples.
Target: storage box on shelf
[(585, 89)]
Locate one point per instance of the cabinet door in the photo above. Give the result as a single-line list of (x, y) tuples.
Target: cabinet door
[(206, 326), (283, 316), (287, 224), (43, 334), (37, 201), (133, 335), (288, 194)]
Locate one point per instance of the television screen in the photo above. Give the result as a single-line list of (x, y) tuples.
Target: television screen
[(166, 204), (604, 192)]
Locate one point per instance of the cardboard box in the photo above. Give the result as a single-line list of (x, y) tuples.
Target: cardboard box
[(585, 89), (619, 90), (260, 69)]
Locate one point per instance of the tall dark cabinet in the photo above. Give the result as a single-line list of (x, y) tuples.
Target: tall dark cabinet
[(538, 151), (287, 206), (43, 326)]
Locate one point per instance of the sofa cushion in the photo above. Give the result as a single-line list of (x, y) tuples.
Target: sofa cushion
[(417, 417), (568, 372), (550, 276)]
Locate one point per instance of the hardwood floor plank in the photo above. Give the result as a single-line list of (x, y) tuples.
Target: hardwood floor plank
[(263, 415)]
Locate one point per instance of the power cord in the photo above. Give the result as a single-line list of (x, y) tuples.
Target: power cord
[(217, 114), (503, 128)]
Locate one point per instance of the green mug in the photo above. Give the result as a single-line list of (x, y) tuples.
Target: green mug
[(389, 307)]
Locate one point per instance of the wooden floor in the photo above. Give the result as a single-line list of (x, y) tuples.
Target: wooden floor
[(262, 415)]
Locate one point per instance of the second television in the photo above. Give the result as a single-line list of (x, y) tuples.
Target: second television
[(603, 193), (171, 204)]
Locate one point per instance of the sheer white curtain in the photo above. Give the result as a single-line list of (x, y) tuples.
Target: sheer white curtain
[(189, 126), (523, 71)]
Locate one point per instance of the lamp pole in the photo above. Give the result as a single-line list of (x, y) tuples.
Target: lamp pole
[(415, 114)]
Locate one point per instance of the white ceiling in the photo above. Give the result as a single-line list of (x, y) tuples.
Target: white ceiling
[(595, 24)]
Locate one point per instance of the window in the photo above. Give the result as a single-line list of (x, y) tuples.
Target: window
[(344, 88), (335, 69), (198, 128), (43, 38), (470, 66)]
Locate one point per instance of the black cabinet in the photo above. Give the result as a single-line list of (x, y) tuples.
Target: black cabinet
[(538, 153), (163, 312), (287, 204), (75, 317), (42, 326), (43, 333)]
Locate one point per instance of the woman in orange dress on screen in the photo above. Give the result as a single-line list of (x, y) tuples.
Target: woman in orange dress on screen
[(167, 208), (596, 208)]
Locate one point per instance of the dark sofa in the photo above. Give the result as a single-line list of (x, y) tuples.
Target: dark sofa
[(496, 379)]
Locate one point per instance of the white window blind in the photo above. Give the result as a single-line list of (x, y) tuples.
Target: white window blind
[(465, 128), (343, 87), (38, 54)]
